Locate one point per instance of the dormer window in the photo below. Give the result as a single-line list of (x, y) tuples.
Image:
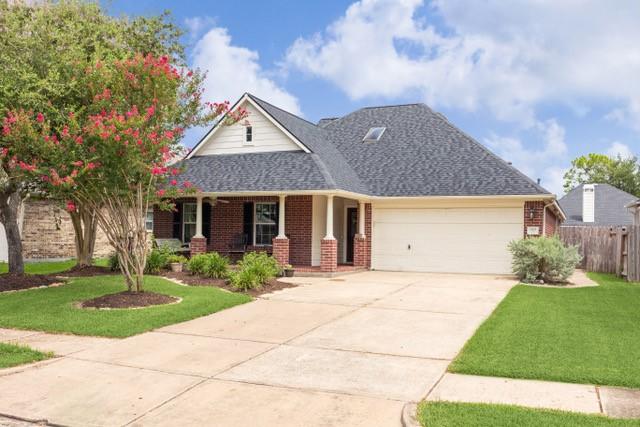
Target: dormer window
[(374, 134), (248, 135)]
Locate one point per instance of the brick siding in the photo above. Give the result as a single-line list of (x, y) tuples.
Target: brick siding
[(549, 223), (329, 255), (281, 250), (47, 232)]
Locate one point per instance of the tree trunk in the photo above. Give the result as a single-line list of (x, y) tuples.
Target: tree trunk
[(9, 202), (85, 226)]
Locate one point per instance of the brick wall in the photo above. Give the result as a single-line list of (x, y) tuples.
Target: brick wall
[(47, 232), (550, 223), (227, 222)]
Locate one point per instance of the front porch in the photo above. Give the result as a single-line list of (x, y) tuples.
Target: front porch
[(319, 233)]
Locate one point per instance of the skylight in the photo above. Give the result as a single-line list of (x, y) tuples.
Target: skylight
[(374, 134)]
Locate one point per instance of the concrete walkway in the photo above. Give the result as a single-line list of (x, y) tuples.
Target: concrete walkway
[(347, 351)]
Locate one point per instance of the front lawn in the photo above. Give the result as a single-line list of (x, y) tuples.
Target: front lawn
[(49, 267), (583, 335), (446, 414), (53, 309), (14, 355)]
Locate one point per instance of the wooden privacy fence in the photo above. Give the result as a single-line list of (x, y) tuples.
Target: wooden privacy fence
[(607, 249)]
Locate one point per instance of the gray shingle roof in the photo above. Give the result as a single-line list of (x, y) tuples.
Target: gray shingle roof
[(610, 205), (419, 154)]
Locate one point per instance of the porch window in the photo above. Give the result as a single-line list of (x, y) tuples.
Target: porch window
[(148, 223), (188, 221), (266, 223)]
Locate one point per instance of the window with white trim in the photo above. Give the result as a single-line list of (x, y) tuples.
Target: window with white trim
[(148, 222), (248, 135), (265, 223), (188, 221)]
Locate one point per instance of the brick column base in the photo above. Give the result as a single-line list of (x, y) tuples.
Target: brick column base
[(198, 245), (329, 255), (359, 251), (281, 250)]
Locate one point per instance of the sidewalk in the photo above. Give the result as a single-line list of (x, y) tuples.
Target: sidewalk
[(589, 399)]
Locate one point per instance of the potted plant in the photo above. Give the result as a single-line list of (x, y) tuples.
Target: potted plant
[(176, 262), (288, 270)]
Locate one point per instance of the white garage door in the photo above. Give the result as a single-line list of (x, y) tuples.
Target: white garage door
[(457, 240)]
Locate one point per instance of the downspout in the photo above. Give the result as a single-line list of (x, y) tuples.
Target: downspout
[(544, 219)]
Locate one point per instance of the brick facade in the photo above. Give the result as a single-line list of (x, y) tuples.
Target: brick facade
[(281, 250), (47, 232), (198, 245), (362, 244), (537, 210), (227, 222), (329, 255)]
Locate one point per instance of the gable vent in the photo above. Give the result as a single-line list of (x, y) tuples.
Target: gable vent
[(374, 134)]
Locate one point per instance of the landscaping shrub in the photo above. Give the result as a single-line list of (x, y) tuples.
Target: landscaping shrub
[(113, 262), (543, 258), (157, 260), (254, 270), (210, 265), (175, 258)]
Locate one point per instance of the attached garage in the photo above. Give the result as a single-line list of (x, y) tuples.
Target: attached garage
[(470, 239)]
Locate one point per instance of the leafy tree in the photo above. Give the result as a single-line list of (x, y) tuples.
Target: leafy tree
[(43, 43), (622, 173), (115, 158)]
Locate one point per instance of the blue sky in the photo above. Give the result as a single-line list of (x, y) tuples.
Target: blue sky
[(539, 82)]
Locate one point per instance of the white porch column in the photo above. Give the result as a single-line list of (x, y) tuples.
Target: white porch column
[(281, 209), (199, 217), (329, 232), (361, 218)]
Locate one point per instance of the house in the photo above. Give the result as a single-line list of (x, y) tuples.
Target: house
[(388, 188), (589, 205)]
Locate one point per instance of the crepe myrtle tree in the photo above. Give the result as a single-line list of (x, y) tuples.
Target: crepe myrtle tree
[(115, 158)]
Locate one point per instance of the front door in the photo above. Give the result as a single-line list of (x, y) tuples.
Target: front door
[(352, 227)]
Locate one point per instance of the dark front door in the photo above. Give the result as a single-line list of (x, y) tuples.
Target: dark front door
[(352, 227)]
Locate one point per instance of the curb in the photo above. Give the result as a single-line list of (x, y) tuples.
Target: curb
[(408, 417)]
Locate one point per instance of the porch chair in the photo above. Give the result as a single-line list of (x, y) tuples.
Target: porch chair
[(238, 245)]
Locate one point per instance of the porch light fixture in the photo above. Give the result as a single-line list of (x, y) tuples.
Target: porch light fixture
[(532, 213)]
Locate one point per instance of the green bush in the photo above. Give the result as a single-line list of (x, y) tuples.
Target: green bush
[(254, 270), (113, 262), (543, 258), (175, 258), (157, 260), (210, 265)]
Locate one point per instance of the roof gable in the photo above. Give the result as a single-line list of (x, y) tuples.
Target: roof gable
[(610, 206), (267, 135)]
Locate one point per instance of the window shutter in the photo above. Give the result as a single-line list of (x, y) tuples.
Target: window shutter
[(248, 222), (206, 221), (177, 222)]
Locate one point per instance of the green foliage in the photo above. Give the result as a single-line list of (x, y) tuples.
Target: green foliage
[(211, 264), (175, 258), (543, 258), (157, 260), (15, 354), (254, 270), (114, 262), (622, 173)]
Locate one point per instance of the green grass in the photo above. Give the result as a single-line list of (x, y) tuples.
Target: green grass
[(583, 335), (50, 267), (14, 355), (53, 310), (446, 414)]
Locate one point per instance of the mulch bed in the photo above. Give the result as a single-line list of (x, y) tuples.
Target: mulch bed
[(92, 270), (192, 280), (128, 299), (16, 282)]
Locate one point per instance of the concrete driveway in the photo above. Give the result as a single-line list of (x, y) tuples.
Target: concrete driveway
[(349, 351)]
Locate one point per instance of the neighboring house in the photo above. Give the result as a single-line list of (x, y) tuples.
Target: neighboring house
[(597, 205), (388, 188), (47, 233)]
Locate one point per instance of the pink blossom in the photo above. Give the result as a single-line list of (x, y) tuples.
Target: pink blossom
[(40, 118), (71, 207), (173, 182), (160, 192), (91, 165), (79, 140), (77, 163)]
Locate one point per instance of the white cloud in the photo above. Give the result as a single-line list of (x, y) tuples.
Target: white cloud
[(508, 57), (233, 70), (197, 24), (619, 149), (544, 162)]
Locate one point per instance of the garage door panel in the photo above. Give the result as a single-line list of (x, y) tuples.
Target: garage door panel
[(423, 240)]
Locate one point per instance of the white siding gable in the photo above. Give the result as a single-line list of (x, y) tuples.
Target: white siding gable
[(231, 139)]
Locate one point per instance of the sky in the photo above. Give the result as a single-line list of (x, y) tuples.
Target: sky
[(539, 82)]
